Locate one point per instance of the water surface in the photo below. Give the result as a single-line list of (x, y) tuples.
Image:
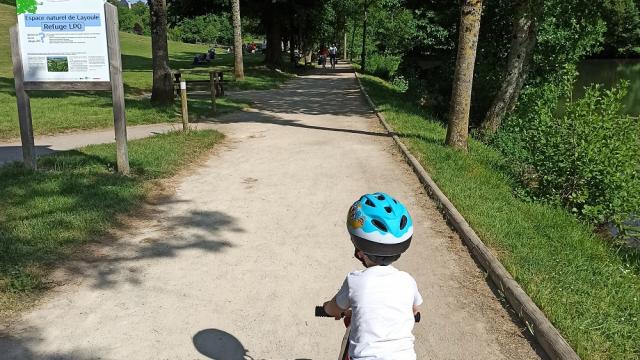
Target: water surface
[(608, 72)]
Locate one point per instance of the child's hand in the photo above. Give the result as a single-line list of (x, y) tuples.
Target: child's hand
[(331, 308)]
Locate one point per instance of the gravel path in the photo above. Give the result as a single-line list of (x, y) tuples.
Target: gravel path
[(234, 262), (48, 144)]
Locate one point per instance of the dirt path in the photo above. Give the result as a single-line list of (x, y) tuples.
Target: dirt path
[(48, 144), (255, 237)]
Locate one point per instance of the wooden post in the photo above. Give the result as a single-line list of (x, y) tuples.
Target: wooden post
[(344, 50), (117, 88), (185, 105), (212, 84), (24, 104)]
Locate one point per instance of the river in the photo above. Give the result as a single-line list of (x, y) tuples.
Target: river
[(608, 72)]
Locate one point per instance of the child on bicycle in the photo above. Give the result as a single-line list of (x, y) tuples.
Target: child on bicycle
[(382, 299)]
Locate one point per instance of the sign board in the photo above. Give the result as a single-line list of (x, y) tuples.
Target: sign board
[(63, 45), (63, 40)]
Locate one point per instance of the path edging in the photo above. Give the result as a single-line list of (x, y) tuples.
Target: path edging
[(545, 333)]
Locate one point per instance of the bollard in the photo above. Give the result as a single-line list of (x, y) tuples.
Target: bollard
[(185, 106), (212, 84)]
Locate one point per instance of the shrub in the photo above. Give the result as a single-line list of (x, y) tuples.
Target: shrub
[(383, 66), (400, 83), (584, 154)]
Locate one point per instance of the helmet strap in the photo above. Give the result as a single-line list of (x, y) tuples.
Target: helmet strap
[(357, 255)]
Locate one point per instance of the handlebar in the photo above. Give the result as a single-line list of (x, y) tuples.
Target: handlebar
[(321, 313)]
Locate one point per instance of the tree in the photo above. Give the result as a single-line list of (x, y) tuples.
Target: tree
[(272, 21), (162, 90), (238, 69), (363, 55), (458, 129), (520, 54)]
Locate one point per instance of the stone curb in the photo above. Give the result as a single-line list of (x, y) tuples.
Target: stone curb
[(545, 333)]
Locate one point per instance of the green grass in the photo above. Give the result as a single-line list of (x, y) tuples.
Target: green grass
[(75, 197), (588, 288), (55, 112)]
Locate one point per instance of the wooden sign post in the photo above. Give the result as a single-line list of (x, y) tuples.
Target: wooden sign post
[(115, 85)]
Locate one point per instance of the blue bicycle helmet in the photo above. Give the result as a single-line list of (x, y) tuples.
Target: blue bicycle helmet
[(380, 225)]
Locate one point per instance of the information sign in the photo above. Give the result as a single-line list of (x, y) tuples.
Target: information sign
[(63, 40)]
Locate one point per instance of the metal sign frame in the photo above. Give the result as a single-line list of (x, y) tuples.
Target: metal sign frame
[(115, 86)]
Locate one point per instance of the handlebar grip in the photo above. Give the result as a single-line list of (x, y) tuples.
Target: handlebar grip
[(321, 313), (417, 317)]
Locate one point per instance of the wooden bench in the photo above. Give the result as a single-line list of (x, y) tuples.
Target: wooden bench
[(215, 81)]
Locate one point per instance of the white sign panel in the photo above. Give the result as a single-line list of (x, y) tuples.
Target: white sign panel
[(63, 40)]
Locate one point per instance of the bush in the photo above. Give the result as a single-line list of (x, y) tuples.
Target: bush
[(383, 66), (584, 155), (400, 83)]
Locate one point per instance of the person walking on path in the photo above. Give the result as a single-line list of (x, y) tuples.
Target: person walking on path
[(333, 53), (322, 57)]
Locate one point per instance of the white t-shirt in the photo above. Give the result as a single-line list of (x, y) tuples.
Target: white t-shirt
[(382, 300), (333, 50)]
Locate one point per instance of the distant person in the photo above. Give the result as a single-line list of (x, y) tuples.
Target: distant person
[(200, 59), (324, 53), (333, 54)]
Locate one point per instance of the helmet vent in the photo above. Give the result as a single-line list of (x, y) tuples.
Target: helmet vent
[(370, 203), (387, 209), (395, 201), (380, 197), (403, 222), (377, 223)]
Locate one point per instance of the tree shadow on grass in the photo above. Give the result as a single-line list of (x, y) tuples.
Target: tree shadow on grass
[(7, 86), (46, 211)]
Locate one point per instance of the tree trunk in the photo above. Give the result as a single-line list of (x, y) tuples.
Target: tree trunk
[(353, 37), (344, 50), (363, 55), (273, 56), (458, 129), (162, 90), (522, 44), (238, 67)]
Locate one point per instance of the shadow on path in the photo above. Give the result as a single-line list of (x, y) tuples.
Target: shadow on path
[(220, 345), (266, 118), (14, 153), (317, 93), (23, 348), (194, 230)]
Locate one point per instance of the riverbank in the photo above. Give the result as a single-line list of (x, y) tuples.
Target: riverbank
[(587, 287)]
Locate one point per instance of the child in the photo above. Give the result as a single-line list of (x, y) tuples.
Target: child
[(382, 299)]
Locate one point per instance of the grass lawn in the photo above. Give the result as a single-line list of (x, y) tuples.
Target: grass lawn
[(58, 112), (588, 288), (75, 197)]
